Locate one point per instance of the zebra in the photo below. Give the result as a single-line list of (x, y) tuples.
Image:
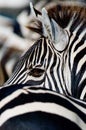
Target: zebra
[(57, 60), (34, 108), (50, 103)]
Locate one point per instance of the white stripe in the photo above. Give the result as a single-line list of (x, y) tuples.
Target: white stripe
[(11, 97), (16, 75), (70, 23), (49, 74), (44, 107), (77, 28), (82, 78), (46, 83), (81, 62), (79, 49), (66, 98), (83, 93), (56, 77), (26, 90)]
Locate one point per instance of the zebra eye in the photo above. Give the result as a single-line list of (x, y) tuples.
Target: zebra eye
[(36, 72)]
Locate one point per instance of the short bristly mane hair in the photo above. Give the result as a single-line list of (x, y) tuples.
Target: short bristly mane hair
[(62, 12)]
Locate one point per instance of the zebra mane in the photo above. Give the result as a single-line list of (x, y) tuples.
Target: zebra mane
[(62, 14)]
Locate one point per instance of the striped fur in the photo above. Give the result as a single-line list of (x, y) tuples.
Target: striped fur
[(37, 108), (62, 71), (26, 99)]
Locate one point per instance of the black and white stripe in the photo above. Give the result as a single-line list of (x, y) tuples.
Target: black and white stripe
[(45, 64), (25, 108)]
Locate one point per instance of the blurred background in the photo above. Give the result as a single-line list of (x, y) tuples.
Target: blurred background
[(15, 38)]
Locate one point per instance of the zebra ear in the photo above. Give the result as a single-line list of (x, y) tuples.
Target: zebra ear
[(47, 28), (54, 32), (34, 12)]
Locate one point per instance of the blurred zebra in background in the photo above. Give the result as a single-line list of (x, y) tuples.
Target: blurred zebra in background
[(15, 38)]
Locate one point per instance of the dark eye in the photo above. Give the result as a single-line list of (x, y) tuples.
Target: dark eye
[(36, 72)]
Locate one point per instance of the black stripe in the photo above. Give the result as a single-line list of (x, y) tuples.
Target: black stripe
[(70, 49), (79, 102), (39, 121), (75, 23), (75, 79), (80, 43), (79, 56), (81, 87), (49, 83), (17, 75), (45, 98), (59, 77), (52, 72), (45, 50), (39, 49), (81, 29), (49, 56), (33, 82), (80, 74), (6, 91)]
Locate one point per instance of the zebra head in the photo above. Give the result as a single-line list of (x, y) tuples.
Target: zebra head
[(39, 65), (58, 59)]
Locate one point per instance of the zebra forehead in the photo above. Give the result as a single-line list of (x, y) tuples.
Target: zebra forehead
[(38, 48), (38, 43)]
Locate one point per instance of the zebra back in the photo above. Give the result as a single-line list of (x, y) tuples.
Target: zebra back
[(25, 108)]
